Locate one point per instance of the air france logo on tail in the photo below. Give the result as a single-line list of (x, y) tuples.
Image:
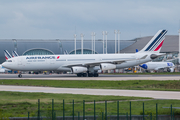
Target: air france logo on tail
[(159, 46), (14, 54), (157, 41), (7, 55)]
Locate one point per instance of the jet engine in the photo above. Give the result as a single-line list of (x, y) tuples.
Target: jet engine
[(153, 56), (170, 69), (78, 69), (107, 66)]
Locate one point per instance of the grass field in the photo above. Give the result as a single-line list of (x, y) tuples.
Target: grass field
[(17, 104), (171, 85)]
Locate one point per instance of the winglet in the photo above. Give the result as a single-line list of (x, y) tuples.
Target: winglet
[(136, 50)]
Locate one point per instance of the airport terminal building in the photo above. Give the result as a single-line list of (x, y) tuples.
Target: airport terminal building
[(62, 46)]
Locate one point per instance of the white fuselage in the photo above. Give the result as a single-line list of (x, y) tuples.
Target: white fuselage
[(64, 62), (157, 65)]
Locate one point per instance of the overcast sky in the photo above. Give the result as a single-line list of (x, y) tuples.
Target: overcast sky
[(61, 19)]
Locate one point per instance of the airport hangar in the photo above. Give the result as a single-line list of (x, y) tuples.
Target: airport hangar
[(61, 46)]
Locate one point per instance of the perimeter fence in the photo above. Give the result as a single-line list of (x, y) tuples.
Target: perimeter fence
[(102, 110)]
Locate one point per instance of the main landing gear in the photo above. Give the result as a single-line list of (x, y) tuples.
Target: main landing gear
[(88, 74), (82, 74)]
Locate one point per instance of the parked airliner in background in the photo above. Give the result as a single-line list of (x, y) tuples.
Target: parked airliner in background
[(3, 70), (14, 54), (88, 64), (7, 55), (169, 66)]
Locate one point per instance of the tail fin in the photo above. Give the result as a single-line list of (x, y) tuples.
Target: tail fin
[(137, 50), (7, 55), (155, 44), (14, 54)]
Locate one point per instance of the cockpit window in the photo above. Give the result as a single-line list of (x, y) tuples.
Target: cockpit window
[(9, 61)]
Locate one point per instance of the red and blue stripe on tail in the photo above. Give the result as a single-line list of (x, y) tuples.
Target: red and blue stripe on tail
[(156, 42), (7, 55)]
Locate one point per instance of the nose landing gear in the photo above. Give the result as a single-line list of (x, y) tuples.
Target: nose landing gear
[(20, 75)]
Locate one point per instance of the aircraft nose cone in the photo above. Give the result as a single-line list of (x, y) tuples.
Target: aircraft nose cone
[(144, 66), (4, 64)]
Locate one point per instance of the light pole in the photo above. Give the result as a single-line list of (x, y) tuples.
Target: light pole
[(106, 40), (94, 41), (119, 41), (82, 43), (115, 41), (75, 43), (15, 45), (179, 46), (103, 41)]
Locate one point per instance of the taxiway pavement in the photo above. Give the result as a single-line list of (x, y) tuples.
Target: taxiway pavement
[(136, 93), (101, 77)]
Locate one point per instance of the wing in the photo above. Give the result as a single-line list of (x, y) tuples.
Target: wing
[(96, 63), (112, 61)]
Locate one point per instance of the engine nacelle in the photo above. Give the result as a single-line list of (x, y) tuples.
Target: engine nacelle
[(153, 56), (170, 70), (78, 69), (107, 66)]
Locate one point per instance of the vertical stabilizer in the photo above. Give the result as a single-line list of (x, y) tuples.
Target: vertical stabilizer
[(14, 54), (155, 44), (7, 55)]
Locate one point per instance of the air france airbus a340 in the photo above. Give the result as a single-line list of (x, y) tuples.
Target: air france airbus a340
[(89, 64)]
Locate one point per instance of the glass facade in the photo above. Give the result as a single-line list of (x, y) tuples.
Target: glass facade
[(38, 52), (85, 51)]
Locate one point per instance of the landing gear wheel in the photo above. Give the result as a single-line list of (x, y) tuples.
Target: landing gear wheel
[(168, 70), (20, 76), (79, 74), (96, 74), (90, 74), (84, 74)]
